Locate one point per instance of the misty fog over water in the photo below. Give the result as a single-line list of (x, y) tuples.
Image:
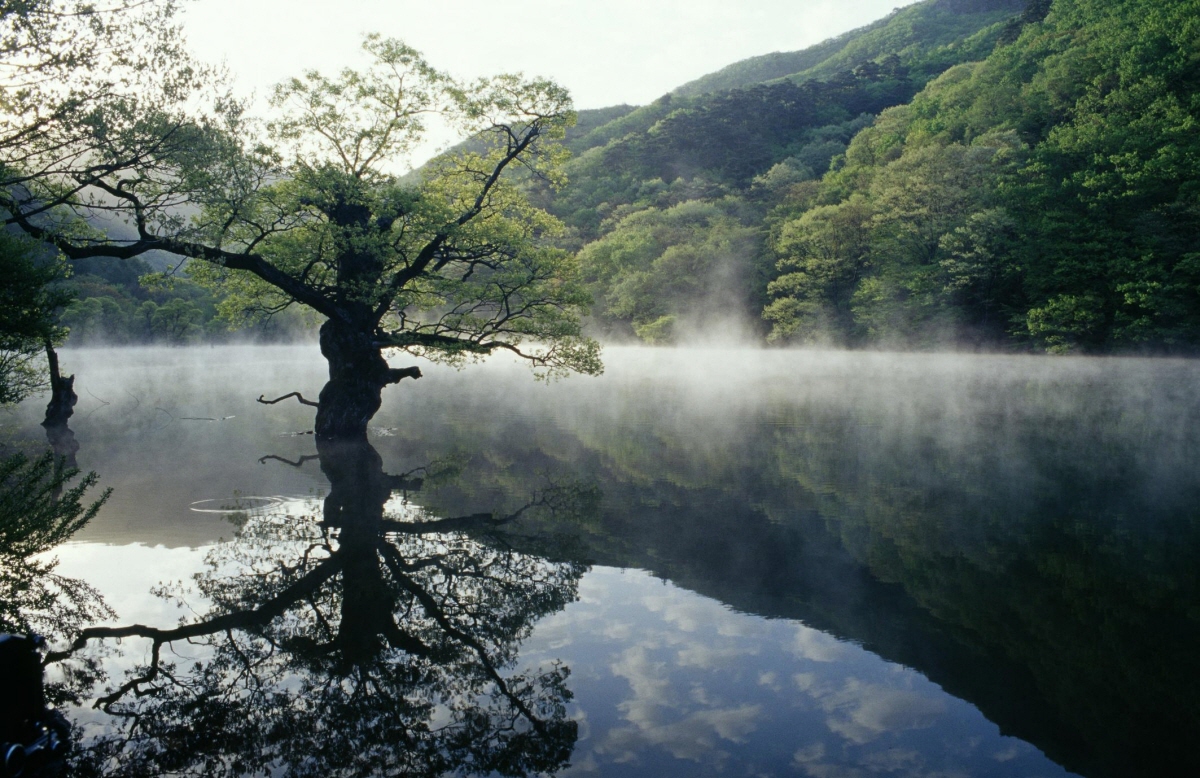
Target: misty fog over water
[(701, 562)]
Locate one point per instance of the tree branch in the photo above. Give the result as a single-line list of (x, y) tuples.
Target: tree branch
[(299, 397), (263, 614)]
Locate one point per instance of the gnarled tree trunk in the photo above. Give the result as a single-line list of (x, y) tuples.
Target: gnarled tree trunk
[(357, 375), (358, 491), (62, 392)]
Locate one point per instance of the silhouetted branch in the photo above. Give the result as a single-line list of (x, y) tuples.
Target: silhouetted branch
[(105, 402), (297, 395), (395, 565), (264, 613), (132, 684), (297, 463), (395, 374)]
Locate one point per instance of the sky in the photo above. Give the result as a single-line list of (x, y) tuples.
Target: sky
[(605, 52)]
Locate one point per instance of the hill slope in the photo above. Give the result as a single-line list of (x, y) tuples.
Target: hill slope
[(920, 26), (1046, 197), (669, 202)]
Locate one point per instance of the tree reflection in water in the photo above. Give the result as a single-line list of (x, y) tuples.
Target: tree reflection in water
[(375, 641), (40, 508), (42, 504)]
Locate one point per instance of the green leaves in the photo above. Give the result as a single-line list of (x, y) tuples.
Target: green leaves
[(451, 264), (39, 510), (359, 121), (29, 302), (1043, 195), (668, 271), (913, 244)]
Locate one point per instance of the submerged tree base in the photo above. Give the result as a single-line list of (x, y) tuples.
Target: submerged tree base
[(357, 375)]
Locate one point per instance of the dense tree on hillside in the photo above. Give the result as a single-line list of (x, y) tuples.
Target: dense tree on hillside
[(455, 267), (745, 149), (1065, 207), (912, 258), (653, 261)]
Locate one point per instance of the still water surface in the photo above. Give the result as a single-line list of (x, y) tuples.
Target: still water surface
[(701, 563)]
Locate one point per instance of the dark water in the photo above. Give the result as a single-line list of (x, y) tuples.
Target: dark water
[(701, 563)]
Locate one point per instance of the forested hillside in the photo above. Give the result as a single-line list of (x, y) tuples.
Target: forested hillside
[(1048, 195), (906, 31), (671, 204), (1008, 174), (1001, 174), (122, 301)]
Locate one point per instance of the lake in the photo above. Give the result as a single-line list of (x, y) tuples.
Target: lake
[(703, 562)]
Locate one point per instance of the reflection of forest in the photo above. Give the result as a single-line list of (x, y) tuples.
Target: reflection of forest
[(1044, 571), (367, 640), (1032, 552)]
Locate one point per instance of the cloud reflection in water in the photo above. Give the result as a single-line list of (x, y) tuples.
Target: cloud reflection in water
[(687, 686)]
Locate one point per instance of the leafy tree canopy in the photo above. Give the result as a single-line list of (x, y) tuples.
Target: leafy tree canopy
[(1045, 195), (28, 302), (309, 208)]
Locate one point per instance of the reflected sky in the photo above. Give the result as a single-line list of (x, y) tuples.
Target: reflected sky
[(667, 682), (799, 563), (673, 683)]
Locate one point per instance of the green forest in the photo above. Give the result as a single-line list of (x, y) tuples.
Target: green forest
[(989, 174)]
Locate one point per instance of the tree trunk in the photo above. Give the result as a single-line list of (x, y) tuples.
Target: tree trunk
[(357, 494), (62, 392), (357, 374), (358, 491), (59, 411)]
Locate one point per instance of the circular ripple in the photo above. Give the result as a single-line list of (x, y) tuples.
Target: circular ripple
[(237, 505)]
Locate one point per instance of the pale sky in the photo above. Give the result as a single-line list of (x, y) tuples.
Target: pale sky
[(605, 52)]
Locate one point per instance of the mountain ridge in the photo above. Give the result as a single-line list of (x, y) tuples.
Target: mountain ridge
[(814, 60)]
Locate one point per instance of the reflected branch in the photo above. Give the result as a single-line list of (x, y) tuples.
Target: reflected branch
[(399, 628), (237, 620), (394, 562)]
